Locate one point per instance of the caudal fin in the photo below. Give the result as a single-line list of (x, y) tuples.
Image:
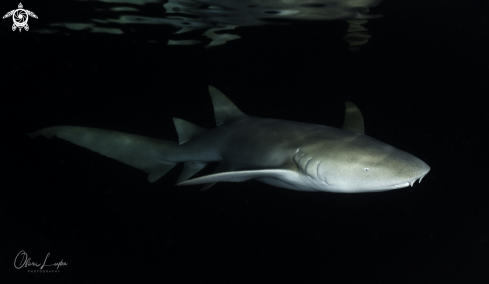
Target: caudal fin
[(154, 156), (145, 153)]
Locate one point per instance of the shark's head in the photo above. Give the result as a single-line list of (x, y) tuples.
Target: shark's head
[(361, 164)]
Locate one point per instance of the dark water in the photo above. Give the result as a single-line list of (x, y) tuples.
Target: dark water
[(421, 82)]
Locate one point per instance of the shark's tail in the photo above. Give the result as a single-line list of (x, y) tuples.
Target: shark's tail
[(154, 156)]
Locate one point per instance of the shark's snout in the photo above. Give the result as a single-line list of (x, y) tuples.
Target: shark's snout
[(419, 170)]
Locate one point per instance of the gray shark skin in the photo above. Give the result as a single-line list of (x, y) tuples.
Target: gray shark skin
[(286, 154)]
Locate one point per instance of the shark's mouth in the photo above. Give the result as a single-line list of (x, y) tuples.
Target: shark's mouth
[(409, 183)]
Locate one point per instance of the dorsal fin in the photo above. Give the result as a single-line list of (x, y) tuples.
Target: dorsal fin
[(353, 119), (224, 109), (186, 130)]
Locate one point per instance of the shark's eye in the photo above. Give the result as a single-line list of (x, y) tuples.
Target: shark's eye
[(366, 169)]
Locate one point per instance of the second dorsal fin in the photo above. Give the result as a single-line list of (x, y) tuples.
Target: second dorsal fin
[(186, 130), (224, 109)]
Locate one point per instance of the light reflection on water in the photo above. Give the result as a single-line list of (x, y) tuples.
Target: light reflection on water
[(215, 16)]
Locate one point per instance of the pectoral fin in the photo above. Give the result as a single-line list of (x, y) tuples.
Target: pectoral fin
[(238, 176)]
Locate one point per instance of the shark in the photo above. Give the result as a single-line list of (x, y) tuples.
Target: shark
[(286, 154)]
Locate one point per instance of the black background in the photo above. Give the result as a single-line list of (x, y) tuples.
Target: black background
[(421, 83)]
